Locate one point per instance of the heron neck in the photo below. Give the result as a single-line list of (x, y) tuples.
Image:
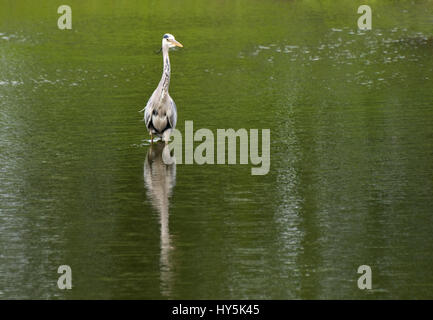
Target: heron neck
[(165, 80)]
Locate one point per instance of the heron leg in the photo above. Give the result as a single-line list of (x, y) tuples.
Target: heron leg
[(151, 138)]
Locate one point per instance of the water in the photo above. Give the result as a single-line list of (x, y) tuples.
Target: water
[(351, 176)]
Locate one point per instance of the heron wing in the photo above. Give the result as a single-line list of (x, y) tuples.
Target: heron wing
[(172, 114), (148, 110), (147, 116)]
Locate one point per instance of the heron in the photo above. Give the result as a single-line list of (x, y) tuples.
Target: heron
[(160, 113)]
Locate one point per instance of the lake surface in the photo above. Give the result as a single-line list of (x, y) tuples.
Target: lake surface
[(351, 177)]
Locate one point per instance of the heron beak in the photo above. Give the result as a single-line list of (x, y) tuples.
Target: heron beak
[(177, 44)]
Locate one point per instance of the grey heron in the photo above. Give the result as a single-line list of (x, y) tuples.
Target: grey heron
[(160, 113)]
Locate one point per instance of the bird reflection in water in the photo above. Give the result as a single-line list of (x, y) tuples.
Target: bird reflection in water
[(159, 180)]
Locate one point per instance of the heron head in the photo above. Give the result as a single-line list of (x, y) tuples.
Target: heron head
[(169, 41)]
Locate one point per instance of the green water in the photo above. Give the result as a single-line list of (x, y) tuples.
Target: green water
[(351, 178)]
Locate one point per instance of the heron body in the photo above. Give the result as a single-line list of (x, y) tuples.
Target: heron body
[(160, 113)]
